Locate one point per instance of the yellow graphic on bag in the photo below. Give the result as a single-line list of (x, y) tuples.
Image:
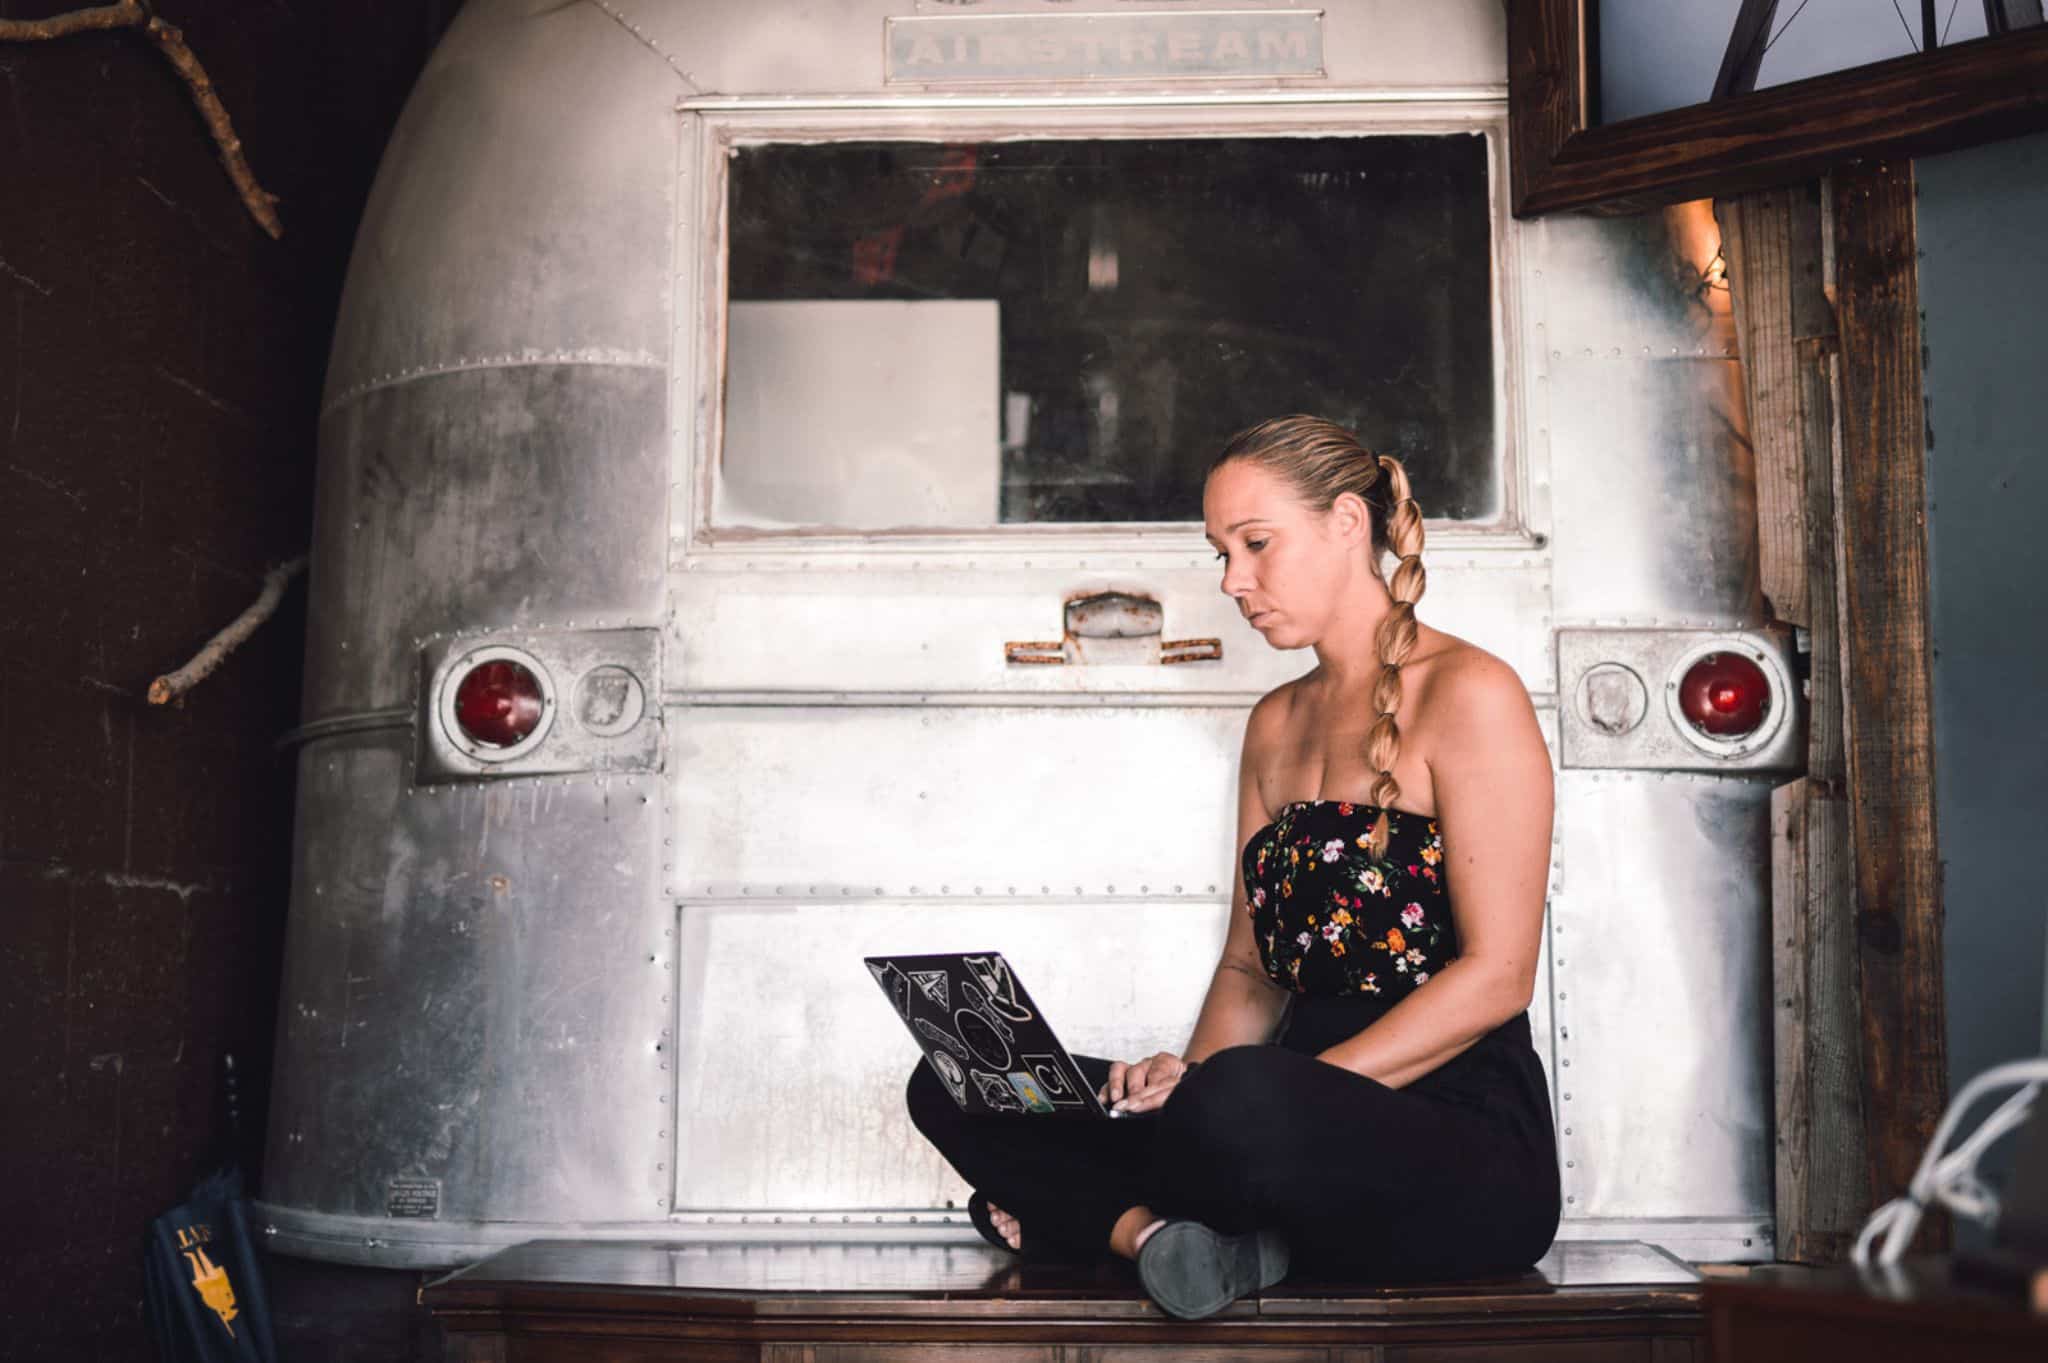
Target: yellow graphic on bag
[(215, 1290)]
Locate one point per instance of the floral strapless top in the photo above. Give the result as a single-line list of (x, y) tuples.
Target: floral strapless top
[(1332, 920)]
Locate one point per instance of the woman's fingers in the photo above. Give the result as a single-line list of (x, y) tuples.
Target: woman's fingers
[(1114, 1089), (1150, 1097), (1127, 1081)]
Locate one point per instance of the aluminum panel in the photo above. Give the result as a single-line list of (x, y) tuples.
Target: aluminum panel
[(469, 974), (954, 802), (1653, 483), (480, 500), (1660, 967), (838, 48), (523, 208), (777, 991), (938, 620)]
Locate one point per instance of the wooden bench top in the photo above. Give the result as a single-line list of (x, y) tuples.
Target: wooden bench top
[(809, 1303)]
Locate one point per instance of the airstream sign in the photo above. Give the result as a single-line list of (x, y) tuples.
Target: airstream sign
[(1153, 46)]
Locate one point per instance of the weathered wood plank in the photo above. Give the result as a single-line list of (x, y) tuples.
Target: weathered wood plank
[(1836, 1194), (1547, 72), (937, 1353), (1205, 1353), (1882, 490), (1756, 241), (1821, 435), (1821, 1186), (1785, 325), (474, 1349), (1530, 1351), (1793, 1104)]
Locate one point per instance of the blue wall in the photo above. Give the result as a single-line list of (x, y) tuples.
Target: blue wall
[(1983, 236)]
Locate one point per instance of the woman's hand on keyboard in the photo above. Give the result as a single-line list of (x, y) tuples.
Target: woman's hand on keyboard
[(1143, 1086)]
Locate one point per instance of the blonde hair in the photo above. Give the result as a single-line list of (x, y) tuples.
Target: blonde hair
[(1321, 460)]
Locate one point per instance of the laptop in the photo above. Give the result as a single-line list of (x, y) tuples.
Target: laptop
[(983, 1036)]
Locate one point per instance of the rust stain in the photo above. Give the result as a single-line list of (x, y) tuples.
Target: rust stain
[(1190, 650)]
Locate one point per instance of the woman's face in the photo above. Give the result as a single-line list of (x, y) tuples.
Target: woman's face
[(1287, 567)]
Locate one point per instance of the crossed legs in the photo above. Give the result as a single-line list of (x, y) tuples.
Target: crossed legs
[(1359, 1178)]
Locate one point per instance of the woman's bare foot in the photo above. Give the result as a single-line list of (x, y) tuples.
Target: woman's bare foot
[(1131, 1231), (1006, 1226)]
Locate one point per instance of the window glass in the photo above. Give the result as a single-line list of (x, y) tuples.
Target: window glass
[(924, 335)]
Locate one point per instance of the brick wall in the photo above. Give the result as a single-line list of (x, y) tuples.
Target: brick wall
[(160, 365)]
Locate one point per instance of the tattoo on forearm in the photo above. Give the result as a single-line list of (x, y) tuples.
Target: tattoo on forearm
[(1251, 972)]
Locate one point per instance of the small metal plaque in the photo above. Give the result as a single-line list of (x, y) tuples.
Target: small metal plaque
[(1200, 45), (418, 1198)]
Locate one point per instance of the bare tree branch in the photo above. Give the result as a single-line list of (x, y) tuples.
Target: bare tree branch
[(125, 14), (174, 684), (262, 204)]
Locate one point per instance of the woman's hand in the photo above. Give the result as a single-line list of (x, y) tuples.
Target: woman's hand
[(1143, 1086)]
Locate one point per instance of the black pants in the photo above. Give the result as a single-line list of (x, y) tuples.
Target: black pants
[(1452, 1176)]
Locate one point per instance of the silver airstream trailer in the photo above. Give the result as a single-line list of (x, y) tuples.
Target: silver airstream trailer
[(758, 526)]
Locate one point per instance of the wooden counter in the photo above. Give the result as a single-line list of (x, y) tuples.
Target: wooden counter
[(1912, 1315), (635, 1302)]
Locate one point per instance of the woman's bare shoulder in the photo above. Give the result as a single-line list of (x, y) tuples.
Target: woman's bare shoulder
[(1457, 680), (1269, 714)]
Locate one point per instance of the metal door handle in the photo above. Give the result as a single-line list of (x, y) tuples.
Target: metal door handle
[(1113, 627)]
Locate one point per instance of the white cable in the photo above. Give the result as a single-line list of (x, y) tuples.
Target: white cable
[(1951, 1180)]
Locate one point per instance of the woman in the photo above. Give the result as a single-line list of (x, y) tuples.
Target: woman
[(1394, 822)]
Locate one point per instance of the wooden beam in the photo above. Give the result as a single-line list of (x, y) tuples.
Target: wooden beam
[(1746, 44), (1881, 491), (1558, 158), (1756, 241), (1549, 95), (1785, 327), (1836, 1198)]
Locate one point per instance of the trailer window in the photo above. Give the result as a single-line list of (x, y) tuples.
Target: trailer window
[(924, 335)]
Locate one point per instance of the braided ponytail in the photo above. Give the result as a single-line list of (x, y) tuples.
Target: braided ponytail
[(1321, 459), (1396, 639)]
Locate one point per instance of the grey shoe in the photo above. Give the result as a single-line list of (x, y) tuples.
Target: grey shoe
[(1192, 1271)]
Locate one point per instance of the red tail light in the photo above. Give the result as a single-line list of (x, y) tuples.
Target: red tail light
[(1725, 695), (499, 703)]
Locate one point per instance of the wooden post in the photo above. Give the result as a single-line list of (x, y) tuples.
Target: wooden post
[(1763, 276), (1785, 326), (1881, 493)]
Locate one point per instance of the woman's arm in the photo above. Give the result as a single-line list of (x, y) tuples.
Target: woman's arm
[(1243, 1005), (1494, 804)]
